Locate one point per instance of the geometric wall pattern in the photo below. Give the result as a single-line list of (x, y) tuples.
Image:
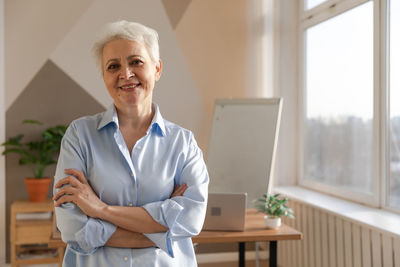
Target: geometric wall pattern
[(175, 10), (33, 29)]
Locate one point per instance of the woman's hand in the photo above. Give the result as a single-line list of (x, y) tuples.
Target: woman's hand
[(79, 192), (178, 191)]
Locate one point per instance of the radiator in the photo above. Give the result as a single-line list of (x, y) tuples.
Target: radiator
[(330, 240)]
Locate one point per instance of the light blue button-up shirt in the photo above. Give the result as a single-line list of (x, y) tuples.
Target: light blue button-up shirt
[(166, 156)]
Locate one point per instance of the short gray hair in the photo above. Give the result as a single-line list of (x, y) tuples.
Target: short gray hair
[(126, 30)]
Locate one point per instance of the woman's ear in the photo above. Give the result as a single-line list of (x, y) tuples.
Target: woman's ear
[(158, 69)]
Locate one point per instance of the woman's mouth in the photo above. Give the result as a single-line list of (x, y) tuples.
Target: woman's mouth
[(129, 87)]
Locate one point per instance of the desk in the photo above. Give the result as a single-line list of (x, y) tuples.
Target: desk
[(254, 231)]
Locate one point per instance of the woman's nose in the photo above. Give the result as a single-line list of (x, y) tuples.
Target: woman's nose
[(126, 73)]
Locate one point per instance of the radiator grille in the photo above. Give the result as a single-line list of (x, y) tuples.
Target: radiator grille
[(330, 240)]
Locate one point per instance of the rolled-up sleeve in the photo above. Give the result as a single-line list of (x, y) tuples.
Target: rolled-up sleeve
[(183, 215), (84, 234)]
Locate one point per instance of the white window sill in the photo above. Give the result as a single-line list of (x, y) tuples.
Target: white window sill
[(378, 219)]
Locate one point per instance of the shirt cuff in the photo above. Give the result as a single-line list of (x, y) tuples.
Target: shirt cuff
[(95, 234), (162, 241), (165, 213)]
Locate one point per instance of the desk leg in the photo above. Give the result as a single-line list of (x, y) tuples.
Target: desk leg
[(241, 254), (273, 247)]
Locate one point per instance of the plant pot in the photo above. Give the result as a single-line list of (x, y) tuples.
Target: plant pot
[(272, 222), (37, 188)]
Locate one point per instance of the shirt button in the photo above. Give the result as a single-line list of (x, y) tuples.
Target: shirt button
[(139, 147), (130, 204), (125, 258)]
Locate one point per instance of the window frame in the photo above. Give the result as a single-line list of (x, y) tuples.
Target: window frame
[(314, 16)]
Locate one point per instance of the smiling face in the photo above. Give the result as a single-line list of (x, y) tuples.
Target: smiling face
[(129, 73)]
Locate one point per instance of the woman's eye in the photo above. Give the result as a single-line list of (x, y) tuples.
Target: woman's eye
[(112, 66), (136, 62)]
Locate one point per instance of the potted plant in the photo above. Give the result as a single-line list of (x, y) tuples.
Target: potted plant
[(274, 206), (37, 155)]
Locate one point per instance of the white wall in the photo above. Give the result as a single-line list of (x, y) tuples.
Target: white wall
[(2, 138)]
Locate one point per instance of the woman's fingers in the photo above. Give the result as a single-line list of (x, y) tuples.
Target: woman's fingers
[(75, 179), (64, 199), (65, 191), (179, 190), (78, 174), (71, 180)]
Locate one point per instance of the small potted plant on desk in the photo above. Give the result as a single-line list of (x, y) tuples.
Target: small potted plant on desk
[(38, 155), (274, 206)]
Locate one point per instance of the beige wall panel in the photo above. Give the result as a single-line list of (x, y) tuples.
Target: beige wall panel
[(213, 37), (175, 93), (175, 10), (33, 30), (53, 98), (2, 139)]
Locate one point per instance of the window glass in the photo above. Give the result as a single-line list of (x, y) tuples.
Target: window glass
[(308, 4), (394, 85), (338, 133)]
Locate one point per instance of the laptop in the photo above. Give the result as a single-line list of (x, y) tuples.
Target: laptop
[(226, 212)]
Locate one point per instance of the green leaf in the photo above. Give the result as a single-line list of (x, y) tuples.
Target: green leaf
[(14, 141), (48, 135), (14, 150)]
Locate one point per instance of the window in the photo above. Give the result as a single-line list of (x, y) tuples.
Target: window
[(343, 112), (339, 97)]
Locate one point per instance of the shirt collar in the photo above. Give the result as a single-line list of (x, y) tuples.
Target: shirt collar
[(157, 120), (110, 115)]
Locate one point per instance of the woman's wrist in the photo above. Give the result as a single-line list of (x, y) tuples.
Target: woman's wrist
[(103, 211), (123, 238)]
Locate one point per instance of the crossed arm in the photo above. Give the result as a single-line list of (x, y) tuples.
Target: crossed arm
[(132, 222)]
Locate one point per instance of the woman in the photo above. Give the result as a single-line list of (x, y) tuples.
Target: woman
[(130, 187)]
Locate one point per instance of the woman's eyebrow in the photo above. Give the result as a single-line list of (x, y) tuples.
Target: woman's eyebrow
[(112, 59), (133, 56)]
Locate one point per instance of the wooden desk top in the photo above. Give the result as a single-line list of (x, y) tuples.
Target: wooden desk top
[(254, 231)]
